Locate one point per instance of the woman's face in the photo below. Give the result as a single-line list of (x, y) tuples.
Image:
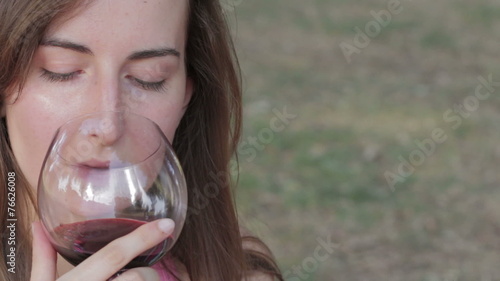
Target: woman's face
[(112, 55)]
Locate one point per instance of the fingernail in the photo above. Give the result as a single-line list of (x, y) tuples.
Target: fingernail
[(166, 225)]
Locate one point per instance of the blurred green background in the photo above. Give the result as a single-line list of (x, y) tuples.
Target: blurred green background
[(322, 175)]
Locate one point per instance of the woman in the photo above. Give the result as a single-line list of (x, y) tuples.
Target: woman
[(64, 58)]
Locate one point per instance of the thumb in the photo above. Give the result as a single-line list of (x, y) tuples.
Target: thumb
[(44, 258)]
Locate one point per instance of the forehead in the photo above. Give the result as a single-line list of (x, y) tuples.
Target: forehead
[(119, 24)]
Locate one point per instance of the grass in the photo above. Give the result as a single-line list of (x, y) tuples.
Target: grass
[(323, 175)]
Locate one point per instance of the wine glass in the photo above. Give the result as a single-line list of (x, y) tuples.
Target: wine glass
[(104, 175)]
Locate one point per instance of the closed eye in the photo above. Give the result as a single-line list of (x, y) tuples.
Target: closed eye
[(149, 86), (50, 76), (58, 77)]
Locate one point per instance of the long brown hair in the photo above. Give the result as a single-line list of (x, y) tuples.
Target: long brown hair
[(210, 245)]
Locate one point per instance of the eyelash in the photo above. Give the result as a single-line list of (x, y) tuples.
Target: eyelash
[(64, 77), (150, 86), (58, 77)]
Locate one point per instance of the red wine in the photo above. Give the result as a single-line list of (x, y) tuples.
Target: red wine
[(82, 239)]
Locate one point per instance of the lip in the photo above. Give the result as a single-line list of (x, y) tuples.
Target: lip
[(95, 164), (94, 172)]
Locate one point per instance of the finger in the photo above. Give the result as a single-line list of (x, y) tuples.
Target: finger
[(139, 274), (44, 258), (114, 256)]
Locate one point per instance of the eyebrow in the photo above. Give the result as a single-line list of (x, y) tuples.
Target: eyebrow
[(154, 53), (67, 45), (145, 54)]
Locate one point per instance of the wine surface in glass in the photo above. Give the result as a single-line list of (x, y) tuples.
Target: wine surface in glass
[(82, 239)]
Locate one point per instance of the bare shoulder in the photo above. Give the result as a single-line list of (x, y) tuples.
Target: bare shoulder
[(181, 271), (253, 244), (253, 276), (249, 243), (258, 276)]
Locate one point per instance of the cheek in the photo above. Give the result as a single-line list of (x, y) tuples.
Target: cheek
[(168, 119), (32, 120), (167, 111), (30, 131)]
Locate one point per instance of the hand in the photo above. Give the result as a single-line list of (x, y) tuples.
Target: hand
[(107, 261)]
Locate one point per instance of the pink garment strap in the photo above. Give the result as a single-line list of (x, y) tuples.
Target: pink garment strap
[(162, 272)]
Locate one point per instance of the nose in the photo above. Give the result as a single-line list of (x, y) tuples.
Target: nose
[(106, 91), (109, 128), (107, 98)]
